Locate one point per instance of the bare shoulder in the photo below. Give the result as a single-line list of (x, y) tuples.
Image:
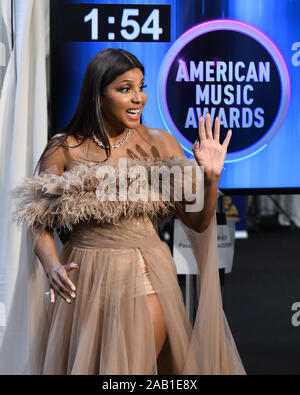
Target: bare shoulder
[(165, 140)]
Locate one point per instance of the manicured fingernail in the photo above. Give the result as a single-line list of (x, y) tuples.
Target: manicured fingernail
[(73, 295), (68, 300), (73, 288)]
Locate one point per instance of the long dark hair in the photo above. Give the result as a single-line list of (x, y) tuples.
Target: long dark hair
[(101, 70)]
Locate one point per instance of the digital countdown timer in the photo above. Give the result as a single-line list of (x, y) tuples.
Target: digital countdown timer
[(114, 22)]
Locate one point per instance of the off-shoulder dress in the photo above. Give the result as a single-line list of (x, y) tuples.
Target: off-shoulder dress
[(121, 258)]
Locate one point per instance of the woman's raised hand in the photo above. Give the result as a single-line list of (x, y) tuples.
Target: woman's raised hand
[(60, 283), (209, 152)]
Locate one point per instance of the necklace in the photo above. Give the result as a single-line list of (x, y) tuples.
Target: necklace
[(98, 142)]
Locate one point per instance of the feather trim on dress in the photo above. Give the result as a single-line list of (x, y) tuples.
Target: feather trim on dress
[(50, 200)]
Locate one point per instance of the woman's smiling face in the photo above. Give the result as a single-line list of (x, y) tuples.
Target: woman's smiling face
[(123, 101)]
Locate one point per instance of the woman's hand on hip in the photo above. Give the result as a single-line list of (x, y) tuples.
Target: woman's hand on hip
[(60, 283)]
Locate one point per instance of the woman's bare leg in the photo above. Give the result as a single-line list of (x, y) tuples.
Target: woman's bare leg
[(158, 321)]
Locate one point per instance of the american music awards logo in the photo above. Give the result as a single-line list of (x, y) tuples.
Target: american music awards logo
[(233, 71)]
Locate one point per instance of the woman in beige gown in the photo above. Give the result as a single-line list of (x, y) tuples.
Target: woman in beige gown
[(115, 305)]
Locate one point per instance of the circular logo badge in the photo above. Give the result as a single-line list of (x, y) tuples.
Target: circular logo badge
[(234, 72)]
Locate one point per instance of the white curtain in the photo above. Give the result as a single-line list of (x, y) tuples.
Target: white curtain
[(23, 119)]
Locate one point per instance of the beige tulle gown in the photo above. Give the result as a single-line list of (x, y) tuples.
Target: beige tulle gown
[(121, 258)]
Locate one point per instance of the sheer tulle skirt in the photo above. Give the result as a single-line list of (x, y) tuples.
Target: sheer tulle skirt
[(108, 328)]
